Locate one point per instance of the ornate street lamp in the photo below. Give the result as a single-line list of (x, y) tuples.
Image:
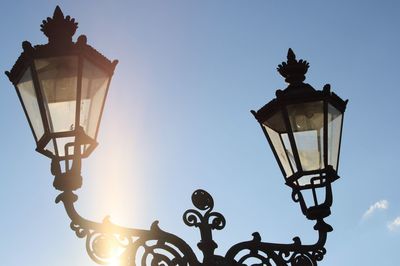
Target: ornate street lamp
[(304, 128), (62, 87)]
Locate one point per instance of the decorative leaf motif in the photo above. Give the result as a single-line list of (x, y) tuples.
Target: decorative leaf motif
[(293, 71), (217, 221), (192, 218), (59, 26)]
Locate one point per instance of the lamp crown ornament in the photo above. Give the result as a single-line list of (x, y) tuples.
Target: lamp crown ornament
[(293, 71), (59, 28)]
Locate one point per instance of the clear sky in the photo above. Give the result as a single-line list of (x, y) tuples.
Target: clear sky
[(177, 118)]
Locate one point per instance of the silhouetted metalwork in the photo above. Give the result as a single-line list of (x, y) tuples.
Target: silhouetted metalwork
[(304, 127), (62, 87)]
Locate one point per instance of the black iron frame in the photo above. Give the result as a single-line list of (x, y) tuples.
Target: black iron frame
[(157, 247), (299, 92), (106, 241), (60, 30)]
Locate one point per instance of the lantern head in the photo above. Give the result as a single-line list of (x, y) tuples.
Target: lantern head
[(303, 127), (62, 86)]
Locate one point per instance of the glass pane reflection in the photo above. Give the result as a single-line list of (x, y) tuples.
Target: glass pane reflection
[(307, 121), (94, 87), (58, 81), (276, 131), (334, 133), (28, 95)]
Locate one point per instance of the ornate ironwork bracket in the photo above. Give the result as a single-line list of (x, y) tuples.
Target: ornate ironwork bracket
[(107, 242), (206, 222), (256, 252)]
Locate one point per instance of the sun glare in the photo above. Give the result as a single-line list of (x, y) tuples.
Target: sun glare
[(117, 170)]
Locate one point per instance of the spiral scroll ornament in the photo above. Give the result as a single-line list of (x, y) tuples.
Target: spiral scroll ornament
[(203, 201), (107, 243), (256, 252), (124, 247)]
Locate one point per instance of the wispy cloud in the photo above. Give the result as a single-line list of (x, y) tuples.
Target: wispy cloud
[(394, 225), (379, 205)]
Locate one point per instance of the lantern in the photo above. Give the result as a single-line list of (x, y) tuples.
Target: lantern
[(62, 87), (303, 127)]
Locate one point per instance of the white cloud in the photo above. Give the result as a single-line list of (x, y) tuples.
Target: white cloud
[(394, 225), (379, 205)]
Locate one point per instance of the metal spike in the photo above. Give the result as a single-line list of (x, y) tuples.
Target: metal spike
[(290, 55), (58, 13)]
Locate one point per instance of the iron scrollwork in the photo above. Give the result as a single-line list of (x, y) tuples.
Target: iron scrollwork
[(107, 243), (255, 252), (206, 222)]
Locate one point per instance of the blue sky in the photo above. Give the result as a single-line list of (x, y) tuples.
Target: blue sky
[(177, 119)]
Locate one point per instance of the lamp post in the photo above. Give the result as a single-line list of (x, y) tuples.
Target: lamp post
[(62, 87)]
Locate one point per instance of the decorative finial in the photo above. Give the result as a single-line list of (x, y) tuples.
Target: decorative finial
[(293, 71), (290, 55), (59, 29)]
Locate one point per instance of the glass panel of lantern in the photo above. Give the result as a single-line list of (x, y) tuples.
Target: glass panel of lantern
[(28, 98), (58, 83), (279, 141), (307, 124), (58, 80), (306, 154), (335, 120), (94, 88)]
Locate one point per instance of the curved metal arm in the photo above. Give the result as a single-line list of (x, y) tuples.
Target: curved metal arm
[(107, 242), (295, 254)]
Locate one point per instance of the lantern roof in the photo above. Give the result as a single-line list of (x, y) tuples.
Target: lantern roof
[(297, 91), (59, 29)]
